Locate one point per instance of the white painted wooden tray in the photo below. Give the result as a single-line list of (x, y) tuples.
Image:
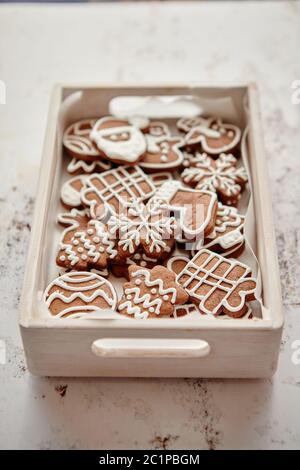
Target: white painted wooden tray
[(153, 348)]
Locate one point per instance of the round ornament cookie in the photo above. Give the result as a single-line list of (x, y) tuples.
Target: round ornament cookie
[(151, 293), (118, 140), (79, 294), (77, 142)]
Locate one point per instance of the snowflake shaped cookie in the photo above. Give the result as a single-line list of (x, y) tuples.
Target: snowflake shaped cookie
[(220, 175), (146, 227), (151, 293), (85, 243)]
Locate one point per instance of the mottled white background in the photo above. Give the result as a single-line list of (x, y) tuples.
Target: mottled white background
[(180, 42)]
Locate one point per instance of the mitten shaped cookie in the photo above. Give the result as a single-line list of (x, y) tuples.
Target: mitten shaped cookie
[(85, 243)]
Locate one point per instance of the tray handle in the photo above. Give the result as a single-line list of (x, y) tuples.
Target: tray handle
[(150, 347)]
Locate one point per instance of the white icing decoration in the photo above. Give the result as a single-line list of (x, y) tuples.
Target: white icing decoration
[(166, 194), (70, 282), (87, 246), (69, 195), (191, 273), (143, 224), (140, 302), (128, 150), (77, 138), (76, 165), (186, 124), (127, 179), (207, 129), (160, 178), (163, 145), (174, 259), (216, 175)]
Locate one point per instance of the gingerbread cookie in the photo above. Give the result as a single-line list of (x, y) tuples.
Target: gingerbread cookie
[(217, 284), (227, 237), (118, 140), (163, 154), (77, 140), (119, 266), (71, 190), (148, 228), (77, 294), (155, 131), (220, 175), (177, 263), (214, 136), (77, 167), (159, 179), (188, 123), (106, 192), (151, 293), (85, 243), (184, 310), (197, 209)]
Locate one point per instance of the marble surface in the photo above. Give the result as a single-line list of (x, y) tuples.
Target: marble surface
[(180, 42)]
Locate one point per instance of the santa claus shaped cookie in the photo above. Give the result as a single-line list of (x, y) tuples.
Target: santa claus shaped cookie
[(217, 284), (80, 294), (221, 175), (151, 293), (85, 243), (118, 140), (77, 142)]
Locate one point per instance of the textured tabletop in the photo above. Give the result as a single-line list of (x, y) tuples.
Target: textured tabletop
[(154, 42)]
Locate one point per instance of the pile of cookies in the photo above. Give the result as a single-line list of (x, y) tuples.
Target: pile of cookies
[(157, 208)]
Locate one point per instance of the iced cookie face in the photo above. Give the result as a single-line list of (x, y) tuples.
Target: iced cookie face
[(118, 140)]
